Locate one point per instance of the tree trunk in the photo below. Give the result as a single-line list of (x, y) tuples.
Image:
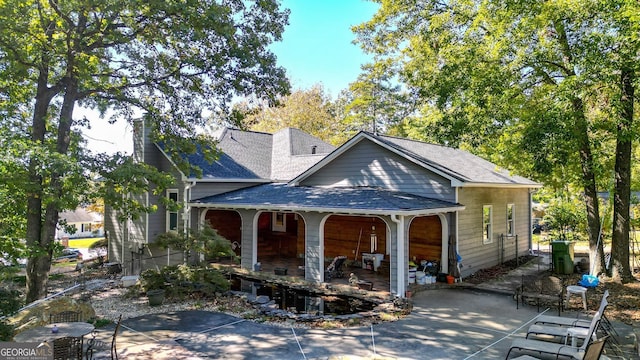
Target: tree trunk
[(41, 223), (581, 132), (620, 269), (39, 259), (589, 184)]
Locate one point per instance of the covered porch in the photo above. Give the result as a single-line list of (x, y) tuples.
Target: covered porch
[(332, 222)]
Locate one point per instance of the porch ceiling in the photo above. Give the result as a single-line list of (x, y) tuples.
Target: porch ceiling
[(359, 200)]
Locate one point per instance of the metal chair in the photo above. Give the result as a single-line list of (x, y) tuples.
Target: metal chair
[(334, 270), (67, 348), (95, 344), (64, 316)]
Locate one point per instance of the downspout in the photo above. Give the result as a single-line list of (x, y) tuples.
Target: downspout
[(125, 226), (401, 265), (529, 232), (457, 237), (186, 209)]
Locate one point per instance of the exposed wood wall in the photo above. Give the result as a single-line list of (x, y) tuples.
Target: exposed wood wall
[(425, 239), (341, 235), (278, 243)]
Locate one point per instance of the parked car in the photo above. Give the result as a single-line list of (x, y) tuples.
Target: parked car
[(6, 260), (69, 254)]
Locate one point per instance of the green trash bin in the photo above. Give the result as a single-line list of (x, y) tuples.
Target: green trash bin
[(562, 256)]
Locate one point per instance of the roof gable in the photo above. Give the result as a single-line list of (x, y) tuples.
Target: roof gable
[(460, 164), (461, 168)]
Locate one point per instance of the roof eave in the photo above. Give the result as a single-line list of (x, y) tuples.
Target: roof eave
[(230, 180), (496, 185), (284, 208)]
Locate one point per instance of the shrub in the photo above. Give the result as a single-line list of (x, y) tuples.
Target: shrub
[(10, 302), (184, 281)]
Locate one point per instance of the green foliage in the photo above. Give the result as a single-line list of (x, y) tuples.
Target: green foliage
[(309, 110), (10, 302), (566, 217), (543, 88), (102, 243), (511, 81), (167, 60), (214, 244), (101, 322), (376, 101), (206, 240), (182, 281)]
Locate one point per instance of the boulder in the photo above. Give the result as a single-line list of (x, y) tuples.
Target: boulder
[(38, 314)]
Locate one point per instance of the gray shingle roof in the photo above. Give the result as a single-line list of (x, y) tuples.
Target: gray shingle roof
[(257, 155), (248, 149), (80, 215), (347, 200), (459, 164)]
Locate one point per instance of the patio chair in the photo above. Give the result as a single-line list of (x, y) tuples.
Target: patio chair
[(334, 270), (64, 316), (593, 351), (568, 321), (545, 347), (558, 330), (67, 348), (96, 344)]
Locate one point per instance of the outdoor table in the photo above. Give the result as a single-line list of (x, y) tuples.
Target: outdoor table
[(65, 329)]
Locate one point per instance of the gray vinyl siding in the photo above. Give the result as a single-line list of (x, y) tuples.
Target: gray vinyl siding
[(201, 190), (475, 254), (367, 164), (113, 232)]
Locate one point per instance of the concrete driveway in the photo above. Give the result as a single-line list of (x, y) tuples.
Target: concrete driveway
[(444, 324)]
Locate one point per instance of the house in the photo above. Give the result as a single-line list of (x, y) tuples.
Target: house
[(85, 224), (289, 195)]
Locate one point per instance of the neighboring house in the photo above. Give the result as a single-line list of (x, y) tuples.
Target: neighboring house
[(87, 224), (287, 195)]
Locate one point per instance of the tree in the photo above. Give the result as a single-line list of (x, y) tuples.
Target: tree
[(309, 110), (627, 58), (377, 103), (165, 60), (527, 84)]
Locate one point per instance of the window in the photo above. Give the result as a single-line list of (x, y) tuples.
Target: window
[(85, 227), (511, 215), (279, 222), (172, 214), (486, 224)]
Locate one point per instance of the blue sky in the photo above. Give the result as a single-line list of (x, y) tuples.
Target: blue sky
[(315, 48)]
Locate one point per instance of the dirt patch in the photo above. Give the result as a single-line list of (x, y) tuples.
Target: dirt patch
[(624, 299), (494, 272)]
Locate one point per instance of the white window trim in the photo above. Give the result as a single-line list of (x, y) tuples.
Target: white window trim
[(169, 213), (512, 220), (279, 221), (489, 233)]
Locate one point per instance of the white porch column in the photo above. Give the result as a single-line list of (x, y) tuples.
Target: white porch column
[(401, 257), (249, 236), (444, 256), (314, 246)]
